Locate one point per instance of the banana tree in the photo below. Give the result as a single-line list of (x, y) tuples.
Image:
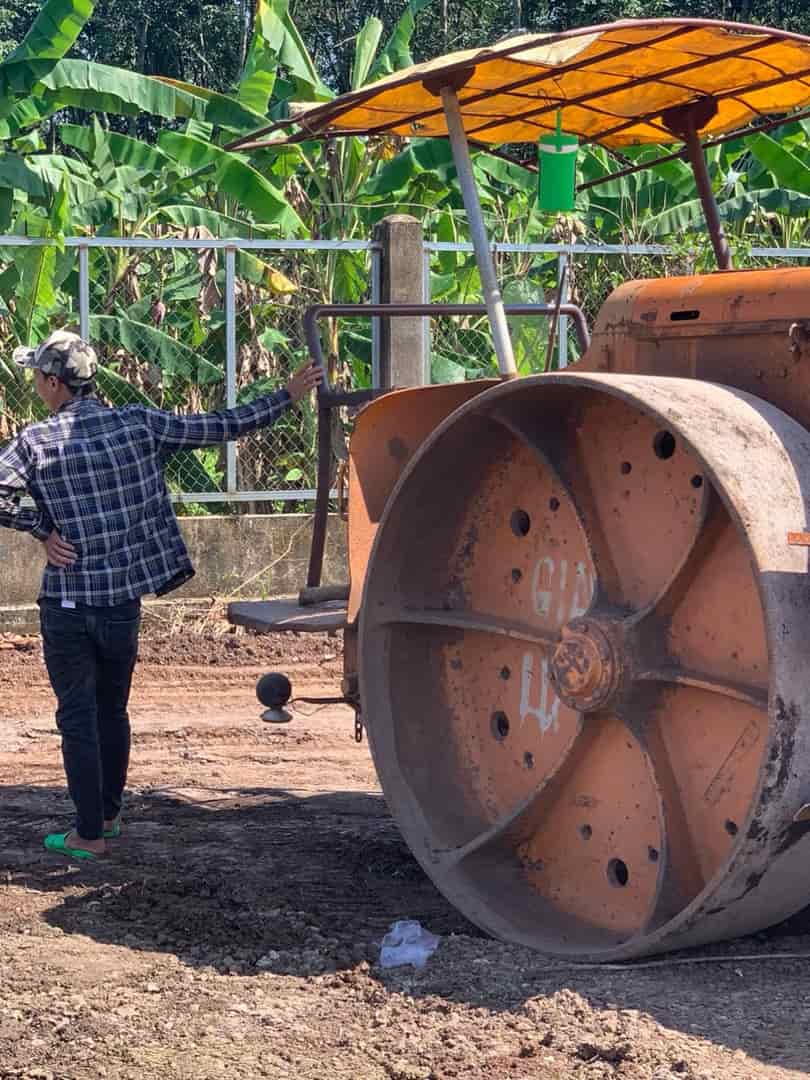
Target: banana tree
[(328, 181)]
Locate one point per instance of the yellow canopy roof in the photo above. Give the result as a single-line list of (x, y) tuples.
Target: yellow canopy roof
[(612, 83)]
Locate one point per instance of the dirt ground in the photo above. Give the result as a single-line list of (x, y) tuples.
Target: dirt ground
[(233, 931)]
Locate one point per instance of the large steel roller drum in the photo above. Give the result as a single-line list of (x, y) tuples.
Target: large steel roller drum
[(585, 662)]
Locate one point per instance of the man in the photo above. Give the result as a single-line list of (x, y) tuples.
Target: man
[(103, 514)]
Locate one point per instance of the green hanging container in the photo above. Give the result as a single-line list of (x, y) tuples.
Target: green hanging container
[(557, 156)]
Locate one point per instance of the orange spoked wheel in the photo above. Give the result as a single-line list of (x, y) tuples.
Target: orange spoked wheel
[(583, 662)]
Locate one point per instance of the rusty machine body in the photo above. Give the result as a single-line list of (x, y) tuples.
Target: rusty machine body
[(579, 605)]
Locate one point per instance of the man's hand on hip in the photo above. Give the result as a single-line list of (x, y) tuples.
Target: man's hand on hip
[(59, 551), (305, 379)]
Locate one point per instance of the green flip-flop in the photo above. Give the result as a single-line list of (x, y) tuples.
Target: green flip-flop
[(57, 842), (114, 832)]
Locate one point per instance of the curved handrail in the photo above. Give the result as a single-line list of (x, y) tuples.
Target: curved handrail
[(329, 398)]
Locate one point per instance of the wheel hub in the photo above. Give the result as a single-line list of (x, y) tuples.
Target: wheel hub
[(586, 666)]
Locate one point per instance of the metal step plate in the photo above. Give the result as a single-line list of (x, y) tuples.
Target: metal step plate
[(286, 614)]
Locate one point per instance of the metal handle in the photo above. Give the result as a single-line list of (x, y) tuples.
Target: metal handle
[(329, 398), (321, 311)]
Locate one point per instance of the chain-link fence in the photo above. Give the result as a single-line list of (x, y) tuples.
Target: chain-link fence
[(195, 324), (461, 347)]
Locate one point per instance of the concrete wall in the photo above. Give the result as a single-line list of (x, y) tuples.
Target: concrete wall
[(240, 555)]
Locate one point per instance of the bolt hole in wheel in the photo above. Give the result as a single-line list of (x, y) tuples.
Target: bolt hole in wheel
[(664, 445), (520, 522), (696, 481), (688, 626), (528, 759), (625, 468), (500, 725), (618, 874), (516, 575)]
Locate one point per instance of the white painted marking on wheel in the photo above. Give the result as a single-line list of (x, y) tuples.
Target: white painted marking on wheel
[(550, 588), (546, 711), (542, 585)]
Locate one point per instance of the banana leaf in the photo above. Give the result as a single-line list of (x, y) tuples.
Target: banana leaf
[(786, 168), (17, 173), (37, 267), (396, 53), (24, 114), (101, 88), (433, 156), (49, 37), (148, 343), (123, 149), (236, 178), (365, 49), (259, 75), (221, 110)]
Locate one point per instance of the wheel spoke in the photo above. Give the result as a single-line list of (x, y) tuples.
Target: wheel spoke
[(471, 621), (540, 440), (682, 877), (712, 633), (586, 841), (624, 472), (524, 428), (712, 523), (594, 852), (705, 740), (751, 695), (517, 824)]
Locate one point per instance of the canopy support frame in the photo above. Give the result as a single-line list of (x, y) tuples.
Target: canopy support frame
[(483, 253), (685, 121)]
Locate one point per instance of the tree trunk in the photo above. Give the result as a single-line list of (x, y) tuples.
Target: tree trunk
[(140, 61), (244, 38)]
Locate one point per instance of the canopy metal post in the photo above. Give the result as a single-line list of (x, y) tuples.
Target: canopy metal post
[(685, 121), (704, 185), (478, 234)]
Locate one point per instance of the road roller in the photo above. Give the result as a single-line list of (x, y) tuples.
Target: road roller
[(577, 617)]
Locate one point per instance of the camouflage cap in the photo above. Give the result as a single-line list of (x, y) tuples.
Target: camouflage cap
[(63, 354)]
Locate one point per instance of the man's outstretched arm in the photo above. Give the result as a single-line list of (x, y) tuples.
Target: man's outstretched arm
[(174, 433)]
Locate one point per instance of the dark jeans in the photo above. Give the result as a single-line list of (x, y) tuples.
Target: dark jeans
[(90, 654)]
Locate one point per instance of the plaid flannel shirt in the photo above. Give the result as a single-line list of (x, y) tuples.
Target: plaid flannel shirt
[(96, 476)]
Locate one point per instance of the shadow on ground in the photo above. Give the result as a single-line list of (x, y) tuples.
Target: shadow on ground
[(266, 880), (306, 884)]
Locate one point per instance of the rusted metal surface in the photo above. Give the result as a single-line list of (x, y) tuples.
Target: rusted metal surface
[(322, 485), (587, 667), (582, 646), (583, 628), (741, 328)]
